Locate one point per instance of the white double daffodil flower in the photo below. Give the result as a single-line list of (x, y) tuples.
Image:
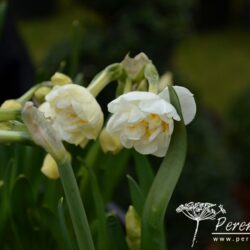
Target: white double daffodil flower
[(74, 113), (145, 120)]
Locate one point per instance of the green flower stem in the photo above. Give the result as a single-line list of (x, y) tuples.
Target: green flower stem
[(44, 135), (128, 85), (6, 115), (76, 208), (153, 234), (29, 94), (109, 74), (151, 74), (14, 136)]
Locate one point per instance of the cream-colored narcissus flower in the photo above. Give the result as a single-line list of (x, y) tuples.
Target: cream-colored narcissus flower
[(74, 113), (109, 142), (145, 120), (142, 120)]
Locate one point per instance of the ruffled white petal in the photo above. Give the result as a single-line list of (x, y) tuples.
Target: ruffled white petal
[(187, 102)]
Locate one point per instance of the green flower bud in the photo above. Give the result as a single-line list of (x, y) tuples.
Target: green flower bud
[(41, 93), (133, 229), (60, 79), (152, 76), (11, 104)]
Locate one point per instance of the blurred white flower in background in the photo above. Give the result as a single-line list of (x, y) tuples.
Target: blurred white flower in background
[(74, 113)]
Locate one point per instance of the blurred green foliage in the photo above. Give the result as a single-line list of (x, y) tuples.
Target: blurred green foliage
[(32, 214), (2, 15), (216, 64), (108, 33), (238, 127)]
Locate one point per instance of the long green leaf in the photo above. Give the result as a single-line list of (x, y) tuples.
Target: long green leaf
[(102, 241), (64, 231), (49, 221), (21, 203), (116, 234), (136, 195), (144, 172), (114, 170), (153, 234)]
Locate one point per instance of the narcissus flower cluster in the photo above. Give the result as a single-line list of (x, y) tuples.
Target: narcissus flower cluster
[(141, 120), (142, 116)]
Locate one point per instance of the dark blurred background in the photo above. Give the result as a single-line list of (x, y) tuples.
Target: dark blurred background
[(204, 43)]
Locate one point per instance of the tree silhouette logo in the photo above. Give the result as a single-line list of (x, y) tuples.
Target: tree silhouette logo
[(199, 211)]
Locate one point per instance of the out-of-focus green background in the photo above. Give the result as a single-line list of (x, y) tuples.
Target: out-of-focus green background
[(204, 43), (214, 60)]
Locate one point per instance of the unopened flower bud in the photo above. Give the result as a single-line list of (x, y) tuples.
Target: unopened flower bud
[(109, 142), (165, 80), (60, 79), (42, 133), (133, 229), (134, 66), (152, 76), (50, 168), (11, 104), (41, 93)]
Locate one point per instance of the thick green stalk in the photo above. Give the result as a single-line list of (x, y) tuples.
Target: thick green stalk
[(109, 74), (153, 234), (76, 208), (14, 136), (6, 115), (29, 94)]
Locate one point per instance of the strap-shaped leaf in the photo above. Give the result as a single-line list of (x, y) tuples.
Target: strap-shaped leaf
[(63, 226), (102, 241), (144, 172), (136, 195), (116, 234), (153, 234)]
